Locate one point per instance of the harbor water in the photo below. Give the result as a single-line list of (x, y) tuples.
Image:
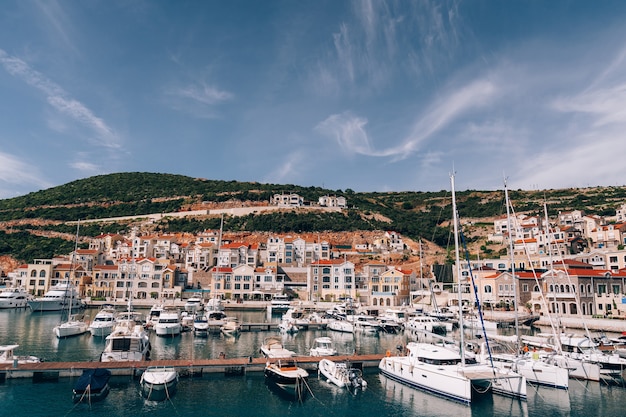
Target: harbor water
[(249, 395)]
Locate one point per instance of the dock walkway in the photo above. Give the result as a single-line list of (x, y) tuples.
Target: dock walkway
[(186, 367)]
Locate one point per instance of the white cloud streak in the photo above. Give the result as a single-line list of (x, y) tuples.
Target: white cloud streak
[(16, 171), (60, 100), (349, 130)]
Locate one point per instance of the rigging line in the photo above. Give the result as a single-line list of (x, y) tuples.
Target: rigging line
[(534, 272), (480, 311)]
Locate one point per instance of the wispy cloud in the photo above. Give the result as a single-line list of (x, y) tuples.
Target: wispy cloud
[(15, 171), (290, 167), (85, 167), (349, 130), (199, 100), (60, 100), (367, 44), (204, 94)]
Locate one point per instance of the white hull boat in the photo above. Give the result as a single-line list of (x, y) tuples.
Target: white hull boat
[(439, 370), (159, 383), (72, 327), (14, 298), (193, 305), (341, 374), (7, 356), (341, 326), (231, 327), (288, 327), (103, 323), (57, 298), (273, 348), (128, 342), (169, 324), (323, 346), (201, 326), (529, 365), (287, 376)]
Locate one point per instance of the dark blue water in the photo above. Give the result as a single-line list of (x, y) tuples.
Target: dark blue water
[(218, 395)]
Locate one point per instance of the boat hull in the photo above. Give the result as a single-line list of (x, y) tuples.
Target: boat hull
[(427, 378), (292, 381), (92, 386), (101, 331), (70, 329), (159, 385)]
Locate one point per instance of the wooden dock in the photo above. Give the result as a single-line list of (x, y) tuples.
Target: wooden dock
[(44, 371)]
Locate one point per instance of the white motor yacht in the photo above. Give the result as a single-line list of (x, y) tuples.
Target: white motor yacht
[(103, 323), (323, 346), (57, 298), (14, 298), (128, 342), (169, 324), (341, 326), (193, 305)]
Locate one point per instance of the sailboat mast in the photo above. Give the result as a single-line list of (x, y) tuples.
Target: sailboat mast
[(455, 219), (508, 219)]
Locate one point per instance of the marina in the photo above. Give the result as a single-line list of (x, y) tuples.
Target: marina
[(232, 370)]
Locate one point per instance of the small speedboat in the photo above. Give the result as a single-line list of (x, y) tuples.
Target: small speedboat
[(231, 326), (323, 346), (159, 383), (93, 385), (8, 357), (340, 374), (272, 347), (288, 376)]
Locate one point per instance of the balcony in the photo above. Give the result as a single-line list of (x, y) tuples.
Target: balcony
[(383, 294)]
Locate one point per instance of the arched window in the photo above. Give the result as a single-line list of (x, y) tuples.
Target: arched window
[(388, 302), (488, 289), (562, 288), (375, 302), (551, 288), (582, 289), (33, 273), (42, 273), (536, 288)]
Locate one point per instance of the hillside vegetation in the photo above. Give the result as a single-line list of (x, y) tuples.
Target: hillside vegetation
[(29, 222)]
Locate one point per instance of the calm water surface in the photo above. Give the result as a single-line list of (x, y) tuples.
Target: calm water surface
[(216, 395)]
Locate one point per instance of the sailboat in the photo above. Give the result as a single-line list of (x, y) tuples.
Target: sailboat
[(73, 326), (446, 371), (548, 347), (533, 368)]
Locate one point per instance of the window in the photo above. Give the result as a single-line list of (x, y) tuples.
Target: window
[(615, 289), (42, 282), (488, 289), (33, 273), (42, 273), (601, 289)]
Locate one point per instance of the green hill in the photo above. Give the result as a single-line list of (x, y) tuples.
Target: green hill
[(413, 214)]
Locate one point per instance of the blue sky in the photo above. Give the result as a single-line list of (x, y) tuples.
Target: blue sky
[(367, 95)]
